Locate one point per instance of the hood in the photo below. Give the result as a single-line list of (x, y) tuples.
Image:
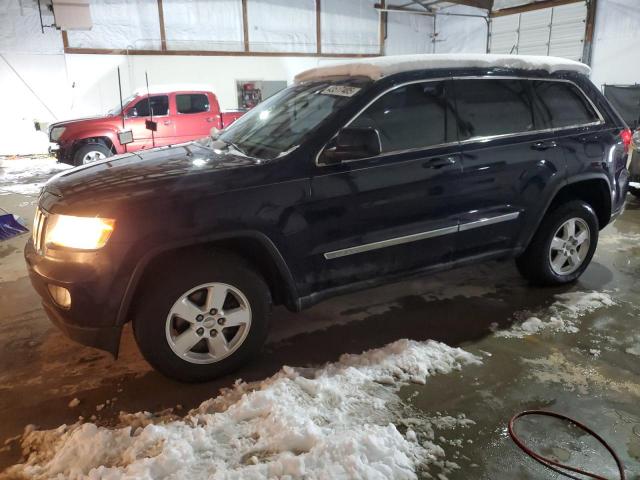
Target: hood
[(78, 121), (160, 173)]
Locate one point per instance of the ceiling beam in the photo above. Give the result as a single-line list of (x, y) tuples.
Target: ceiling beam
[(531, 6)]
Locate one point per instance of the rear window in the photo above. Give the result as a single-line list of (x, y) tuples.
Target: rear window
[(492, 107), (192, 103), (561, 104)]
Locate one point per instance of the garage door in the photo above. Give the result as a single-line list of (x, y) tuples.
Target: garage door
[(557, 31)]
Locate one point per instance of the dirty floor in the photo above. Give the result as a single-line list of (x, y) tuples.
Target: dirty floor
[(588, 367)]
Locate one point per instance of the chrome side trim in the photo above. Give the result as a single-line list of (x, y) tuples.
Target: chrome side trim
[(601, 120), (390, 242), (420, 236), (488, 221)]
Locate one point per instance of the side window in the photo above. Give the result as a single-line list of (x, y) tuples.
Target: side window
[(192, 103), (412, 116), (159, 105), (561, 104), (492, 107)]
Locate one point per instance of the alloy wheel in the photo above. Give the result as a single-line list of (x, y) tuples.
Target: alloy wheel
[(569, 246), (208, 323), (93, 156)]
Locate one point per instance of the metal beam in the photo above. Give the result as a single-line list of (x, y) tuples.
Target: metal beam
[(588, 34), (163, 35), (532, 6)]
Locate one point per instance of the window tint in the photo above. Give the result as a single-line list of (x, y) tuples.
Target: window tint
[(492, 107), (159, 104), (561, 104), (192, 103), (413, 116)]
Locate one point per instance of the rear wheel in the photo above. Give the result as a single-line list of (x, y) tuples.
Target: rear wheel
[(203, 317), (91, 152), (563, 246)]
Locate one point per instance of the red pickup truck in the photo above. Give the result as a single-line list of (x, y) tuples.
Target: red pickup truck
[(180, 116)]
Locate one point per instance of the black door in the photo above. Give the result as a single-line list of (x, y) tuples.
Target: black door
[(375, 217), (509, 163)]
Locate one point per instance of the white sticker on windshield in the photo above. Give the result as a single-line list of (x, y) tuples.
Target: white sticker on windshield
[(340, 90)]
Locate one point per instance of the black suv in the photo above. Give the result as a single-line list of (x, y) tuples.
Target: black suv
[(339, 182)]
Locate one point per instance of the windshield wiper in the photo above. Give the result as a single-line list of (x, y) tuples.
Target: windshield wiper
[(235, 147)]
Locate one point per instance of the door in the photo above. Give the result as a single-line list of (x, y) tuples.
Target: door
[(386, 215), (194, 117), (139, 112), (509, 162)]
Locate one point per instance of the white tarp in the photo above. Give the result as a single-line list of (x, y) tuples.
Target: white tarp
[(282, 25), (351, 26), (121, 24), (203, 25), (408, 33)]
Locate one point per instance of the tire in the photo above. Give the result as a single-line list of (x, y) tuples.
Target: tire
[(99, 151), (158, 330), (536, 265)]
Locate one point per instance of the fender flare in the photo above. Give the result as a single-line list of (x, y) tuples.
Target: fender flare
[(526, 239), (87, 134), (145, 261)]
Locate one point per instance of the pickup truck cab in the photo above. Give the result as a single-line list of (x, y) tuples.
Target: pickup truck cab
[(355, 176), (181, 116)]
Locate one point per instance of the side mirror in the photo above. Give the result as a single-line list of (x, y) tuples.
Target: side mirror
[(352, 144), (132, 113)]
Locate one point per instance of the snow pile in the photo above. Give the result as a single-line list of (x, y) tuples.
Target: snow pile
[(561, 315), (334, 422), (26, 175), (376, 68)]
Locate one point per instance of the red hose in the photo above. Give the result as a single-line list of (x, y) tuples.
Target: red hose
[(552, 464)]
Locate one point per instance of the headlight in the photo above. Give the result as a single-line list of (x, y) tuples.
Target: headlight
[(83, 233), (56, 133)]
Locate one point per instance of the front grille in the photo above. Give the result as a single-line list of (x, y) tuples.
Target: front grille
[(39, 229)]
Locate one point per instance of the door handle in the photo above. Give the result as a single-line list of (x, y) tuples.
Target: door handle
[(167, 122), (544, 145), (209, 119), (438, 163)]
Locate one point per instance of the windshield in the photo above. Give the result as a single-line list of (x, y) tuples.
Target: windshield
[(281, 122), (116, 110)]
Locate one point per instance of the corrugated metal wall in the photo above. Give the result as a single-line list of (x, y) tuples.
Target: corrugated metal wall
[(557, 31)]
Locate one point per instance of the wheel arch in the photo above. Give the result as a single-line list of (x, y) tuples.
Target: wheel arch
[(594, 189), (254, 247), (106, 138)]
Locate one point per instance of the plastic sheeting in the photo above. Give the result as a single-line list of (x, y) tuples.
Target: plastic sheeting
[(20, 30), (121, 24), (408, 33), (351, 26), (282, 25), (203, 25)]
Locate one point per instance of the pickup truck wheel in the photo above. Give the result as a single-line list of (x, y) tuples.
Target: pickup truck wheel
[(563, 246), (203, 317), (91, 152)]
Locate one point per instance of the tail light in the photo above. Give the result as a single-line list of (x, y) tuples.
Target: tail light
[(626, 136)]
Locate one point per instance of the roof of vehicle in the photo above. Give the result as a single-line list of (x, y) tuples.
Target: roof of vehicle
[(170, 88), (378, 67)]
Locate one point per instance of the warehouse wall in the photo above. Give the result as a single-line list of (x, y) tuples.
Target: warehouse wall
[(616, 56)]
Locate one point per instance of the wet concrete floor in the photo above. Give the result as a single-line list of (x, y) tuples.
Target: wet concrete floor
[(591, 374)]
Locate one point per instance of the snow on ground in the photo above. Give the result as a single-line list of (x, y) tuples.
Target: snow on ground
[(26, 175), (560, 316), (335, 422)]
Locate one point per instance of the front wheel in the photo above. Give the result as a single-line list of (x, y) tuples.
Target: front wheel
[(91, 152), (202, 317), (563, 246)]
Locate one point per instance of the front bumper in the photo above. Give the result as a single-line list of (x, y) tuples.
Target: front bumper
[(90, 320)]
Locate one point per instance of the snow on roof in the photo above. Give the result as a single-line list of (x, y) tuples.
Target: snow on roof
[(379, 67)]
